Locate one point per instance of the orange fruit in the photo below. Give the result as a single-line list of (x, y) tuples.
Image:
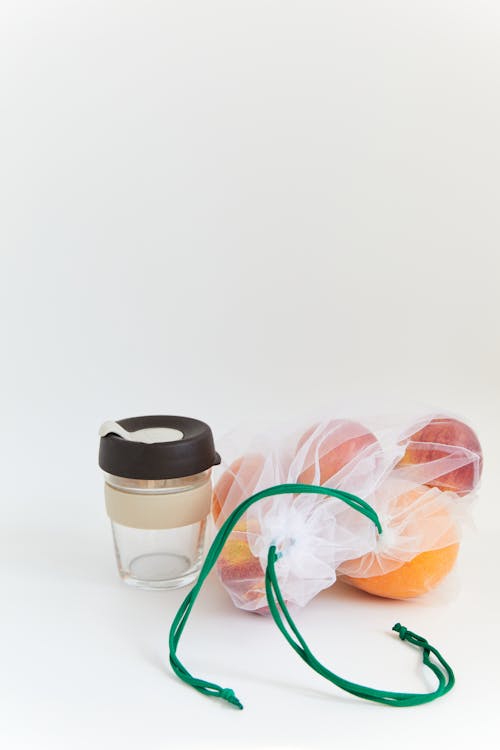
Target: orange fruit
[(413, 578), (422, 514)]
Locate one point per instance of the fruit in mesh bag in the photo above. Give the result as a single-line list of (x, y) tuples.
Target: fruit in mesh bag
[(448, 441), (236, 484), (331, 449), (417, 514), (413, 578), (321, 454), (239, 570)]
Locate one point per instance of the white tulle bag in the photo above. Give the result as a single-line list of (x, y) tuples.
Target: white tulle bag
[(418, 473)]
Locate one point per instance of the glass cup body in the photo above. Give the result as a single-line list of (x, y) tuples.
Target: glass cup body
[(159, 528)]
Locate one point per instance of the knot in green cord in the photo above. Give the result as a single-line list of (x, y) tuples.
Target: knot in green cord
[(401, 630), (228, 695), (407, 635)]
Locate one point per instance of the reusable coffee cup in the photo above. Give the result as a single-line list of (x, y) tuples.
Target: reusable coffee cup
[(157, 488)]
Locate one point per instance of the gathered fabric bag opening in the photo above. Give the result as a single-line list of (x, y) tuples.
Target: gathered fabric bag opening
[(275, 598)]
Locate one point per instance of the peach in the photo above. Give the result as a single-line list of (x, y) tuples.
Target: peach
[(341, 441), (241, 572), (436, 441), (236, 484)]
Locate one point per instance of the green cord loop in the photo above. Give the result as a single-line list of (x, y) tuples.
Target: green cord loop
[(441, 669)]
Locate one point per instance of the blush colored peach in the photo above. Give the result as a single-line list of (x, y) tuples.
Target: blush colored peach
[(240, 570), (240, 480), (424, 446), (332, 457)]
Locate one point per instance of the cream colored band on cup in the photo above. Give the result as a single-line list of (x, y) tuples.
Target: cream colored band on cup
[(158, 511)]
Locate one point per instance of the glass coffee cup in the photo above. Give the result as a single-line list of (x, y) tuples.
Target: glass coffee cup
[(158, 487)]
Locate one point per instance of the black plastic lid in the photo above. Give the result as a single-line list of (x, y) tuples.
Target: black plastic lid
[(191, 454)]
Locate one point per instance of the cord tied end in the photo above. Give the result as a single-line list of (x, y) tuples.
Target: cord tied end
[(408, 635), (398, 628), (228, 695)]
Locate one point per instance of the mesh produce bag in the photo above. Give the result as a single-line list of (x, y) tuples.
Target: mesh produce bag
[(419, 474)]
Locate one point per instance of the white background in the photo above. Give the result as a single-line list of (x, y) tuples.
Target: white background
[(228, 209)]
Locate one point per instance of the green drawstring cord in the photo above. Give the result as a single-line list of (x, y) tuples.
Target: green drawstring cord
[(444, 675), (446, 678)]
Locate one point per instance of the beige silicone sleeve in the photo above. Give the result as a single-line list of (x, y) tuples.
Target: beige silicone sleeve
[(169, 510)]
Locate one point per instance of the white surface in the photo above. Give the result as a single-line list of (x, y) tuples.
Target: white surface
[(294, 204)]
